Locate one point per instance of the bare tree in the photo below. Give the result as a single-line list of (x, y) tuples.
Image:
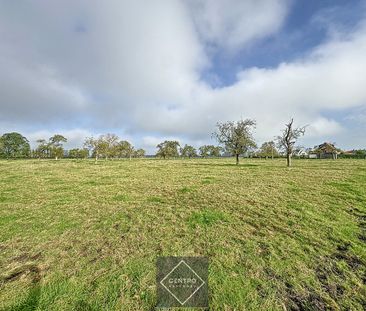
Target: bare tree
[(287, 140), (236, 137)]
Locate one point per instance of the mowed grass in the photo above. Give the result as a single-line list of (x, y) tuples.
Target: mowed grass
[(75, 235)]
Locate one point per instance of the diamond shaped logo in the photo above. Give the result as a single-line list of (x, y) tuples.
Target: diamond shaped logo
[(182, 281)]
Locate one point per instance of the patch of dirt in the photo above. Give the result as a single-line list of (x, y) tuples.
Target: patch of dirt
[(352, 261), (31, 270), (362, 236), (21, 258), (37, 256), (24, 257), (294, 300), (332, 279), (324, 271), (343, 246), (305, 301), (343, 252), (13, 275)]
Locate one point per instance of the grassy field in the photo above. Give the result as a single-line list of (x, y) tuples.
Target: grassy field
[(75, 235)]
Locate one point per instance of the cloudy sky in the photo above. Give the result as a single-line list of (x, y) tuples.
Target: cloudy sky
[(162, 69)]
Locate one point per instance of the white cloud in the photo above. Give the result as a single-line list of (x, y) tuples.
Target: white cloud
[(323, 127), (136, 66), (129, 53), (328, 79), (75, 137), (231, 24)]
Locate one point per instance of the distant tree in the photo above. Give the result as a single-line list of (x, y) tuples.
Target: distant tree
[(78, 153), (204, 151), (268, 149), (43, 149), (73, 153), (124, 149), (105, 146), (14, 145), (287, 140), (215, 151), (188, 151), (210, 151), (83, 153), (236, 137), (102, 147), (361, 153), (139, 153), (56, 147), (92, 145), (108, 144), (168, 148)]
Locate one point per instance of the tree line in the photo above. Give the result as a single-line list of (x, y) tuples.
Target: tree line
[(108, 146), (15, 145), (234, 139)]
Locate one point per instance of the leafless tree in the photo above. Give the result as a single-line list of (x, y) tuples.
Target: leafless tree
[(287, 140)]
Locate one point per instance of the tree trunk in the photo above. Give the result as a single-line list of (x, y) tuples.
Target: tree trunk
[(288, 160), (237, 159)]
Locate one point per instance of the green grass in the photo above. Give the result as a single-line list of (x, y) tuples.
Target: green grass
[(75, 235)]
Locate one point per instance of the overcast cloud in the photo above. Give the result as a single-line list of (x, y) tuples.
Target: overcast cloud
[(137, 68)]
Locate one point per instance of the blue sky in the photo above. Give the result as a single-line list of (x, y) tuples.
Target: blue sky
[(301, 32), (171, 69)]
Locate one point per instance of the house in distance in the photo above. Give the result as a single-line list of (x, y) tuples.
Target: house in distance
[(326, 151)]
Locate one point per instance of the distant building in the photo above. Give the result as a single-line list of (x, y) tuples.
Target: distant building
[(326, 151), (300, 152), (313, 156)]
